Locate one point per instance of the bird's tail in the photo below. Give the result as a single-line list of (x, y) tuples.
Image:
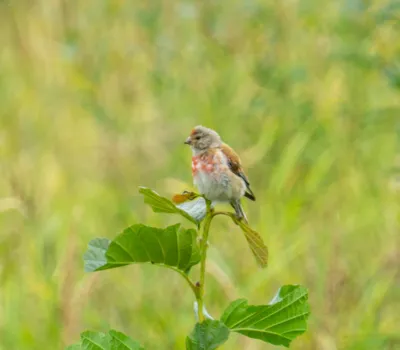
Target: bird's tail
[(239, 210)]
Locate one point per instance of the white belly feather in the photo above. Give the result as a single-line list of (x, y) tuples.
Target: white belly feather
[(215, 186), (220, 184)]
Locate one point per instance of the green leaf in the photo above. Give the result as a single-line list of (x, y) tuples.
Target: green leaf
[(207, 335), (161, 204), (173, 247), (278, 323), (95, 256), (256, 244), (113, 340), (95, 341), (74, 347), (120, 341)]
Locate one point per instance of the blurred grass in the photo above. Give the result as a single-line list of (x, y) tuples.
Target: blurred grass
[(96, 98)]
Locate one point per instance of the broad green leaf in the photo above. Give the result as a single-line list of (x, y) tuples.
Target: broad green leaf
[(95, 340), (120, 341), (74, 347), (173, 247), (161, 204), (113, 340), (277, 323), (256, 244), (95, 256), (207, 335)]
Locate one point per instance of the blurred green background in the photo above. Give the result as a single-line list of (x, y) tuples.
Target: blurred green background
[(96, 99)]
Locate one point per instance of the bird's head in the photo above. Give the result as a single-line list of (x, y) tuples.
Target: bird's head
[(202, 138)]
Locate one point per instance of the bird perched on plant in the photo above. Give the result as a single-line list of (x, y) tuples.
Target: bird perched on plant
[(217, 170)]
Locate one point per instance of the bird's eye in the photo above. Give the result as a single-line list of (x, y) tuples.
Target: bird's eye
[(198, 137)]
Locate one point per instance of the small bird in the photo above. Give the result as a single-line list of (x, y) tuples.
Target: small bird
[(217, 170)]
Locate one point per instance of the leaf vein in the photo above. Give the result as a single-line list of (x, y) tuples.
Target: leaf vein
[(177, 248), (260, 331), (287, 320), (280, 309), (94, 343), (124, 249), (162, 249)]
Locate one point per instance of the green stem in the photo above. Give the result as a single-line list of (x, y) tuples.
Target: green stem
[(231, 215), (188, 280), (203, 257)]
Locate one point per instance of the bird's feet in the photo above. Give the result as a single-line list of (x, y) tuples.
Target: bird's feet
[(240, 219)]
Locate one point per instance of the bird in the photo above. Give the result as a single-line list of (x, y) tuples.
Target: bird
[(217, 170)]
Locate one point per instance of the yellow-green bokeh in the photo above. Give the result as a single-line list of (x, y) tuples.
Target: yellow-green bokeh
[(96, 99)]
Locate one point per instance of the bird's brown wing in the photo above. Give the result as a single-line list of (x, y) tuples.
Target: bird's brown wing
[(236, 168)]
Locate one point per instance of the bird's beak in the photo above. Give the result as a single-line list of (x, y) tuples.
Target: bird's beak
[(188, 141)]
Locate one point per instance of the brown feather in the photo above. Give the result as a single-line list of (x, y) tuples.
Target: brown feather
[(236, 167)]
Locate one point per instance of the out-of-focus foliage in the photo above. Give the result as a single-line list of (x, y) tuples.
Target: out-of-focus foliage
[(97, 97)]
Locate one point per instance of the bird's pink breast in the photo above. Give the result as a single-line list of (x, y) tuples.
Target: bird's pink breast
[(202, 163), (214, 179)]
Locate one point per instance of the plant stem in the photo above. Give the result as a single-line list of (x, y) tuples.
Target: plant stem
[(188, 280), (203, 257), (199, 292)]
